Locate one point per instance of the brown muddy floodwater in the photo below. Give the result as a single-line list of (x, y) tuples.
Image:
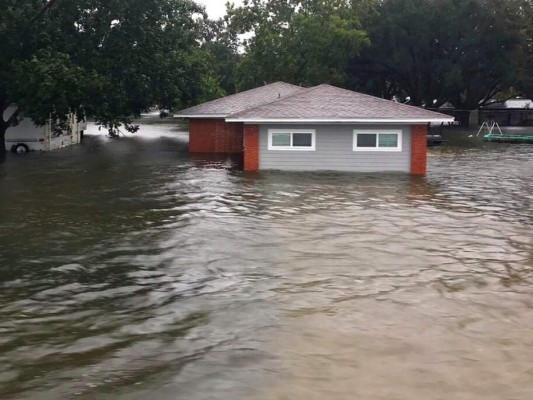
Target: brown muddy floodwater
[(131, 270)]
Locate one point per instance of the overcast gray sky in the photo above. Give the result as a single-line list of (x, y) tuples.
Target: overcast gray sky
[(216, 8)]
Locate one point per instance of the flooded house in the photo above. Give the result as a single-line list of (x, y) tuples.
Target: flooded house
[(286, 127)]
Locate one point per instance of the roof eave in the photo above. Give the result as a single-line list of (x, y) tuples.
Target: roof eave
[(341, 120)]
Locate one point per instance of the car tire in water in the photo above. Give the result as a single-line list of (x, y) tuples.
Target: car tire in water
[(20, 148)]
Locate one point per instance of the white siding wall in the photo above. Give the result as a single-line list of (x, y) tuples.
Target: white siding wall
[(334, 151)]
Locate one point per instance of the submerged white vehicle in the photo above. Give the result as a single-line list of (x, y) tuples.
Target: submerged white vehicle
[(27, 136)]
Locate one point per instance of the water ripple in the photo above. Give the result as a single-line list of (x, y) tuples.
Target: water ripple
[(140, 272)]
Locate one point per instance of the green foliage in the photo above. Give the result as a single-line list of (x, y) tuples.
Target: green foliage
[(110, 59), (302, 42), (211, 89), (222, 45), (463, 51), (524, 54)]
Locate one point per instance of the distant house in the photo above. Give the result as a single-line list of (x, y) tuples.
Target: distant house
[(519, 103), (286, 127), (512, 112)]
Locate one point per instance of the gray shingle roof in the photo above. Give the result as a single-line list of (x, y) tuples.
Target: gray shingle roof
[(242, 101), (327, 102)]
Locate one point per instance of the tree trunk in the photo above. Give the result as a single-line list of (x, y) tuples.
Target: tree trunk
[(3, 130), (464, 118), (4, 126), (3, 153)]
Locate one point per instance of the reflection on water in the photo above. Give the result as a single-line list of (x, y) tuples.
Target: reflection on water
[(130, 270)]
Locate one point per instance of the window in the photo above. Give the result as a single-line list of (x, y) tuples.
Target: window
[(377, 140), (291, 139)]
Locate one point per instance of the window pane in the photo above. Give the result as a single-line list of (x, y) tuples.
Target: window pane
[(366, 140), (388, 140), (281, 139), (302, 140)]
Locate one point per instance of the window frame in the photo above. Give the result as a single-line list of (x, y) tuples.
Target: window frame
[(377, 132), (312, 132)]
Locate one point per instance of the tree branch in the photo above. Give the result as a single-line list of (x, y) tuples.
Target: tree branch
[(3, 107), (490, 103), (490, 93), (49, 4), (13, 118)]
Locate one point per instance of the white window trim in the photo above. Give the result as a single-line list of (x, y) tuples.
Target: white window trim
[(292, 131), (377, 132)]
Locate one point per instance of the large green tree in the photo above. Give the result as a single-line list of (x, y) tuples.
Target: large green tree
[(108, 59), (302, 42), (223, 46), (463, 51), (524, 84)]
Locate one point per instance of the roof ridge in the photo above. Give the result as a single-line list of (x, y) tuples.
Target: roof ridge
[(305, 90), (240, 97), (376, 97), (334, 102), (251, 90), (239, 93)]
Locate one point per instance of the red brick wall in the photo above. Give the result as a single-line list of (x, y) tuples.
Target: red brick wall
[(251, 148), (419, 149), (215, 136)]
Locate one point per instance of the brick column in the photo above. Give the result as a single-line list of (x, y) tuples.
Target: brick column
[(251, 147), (419, 144)]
